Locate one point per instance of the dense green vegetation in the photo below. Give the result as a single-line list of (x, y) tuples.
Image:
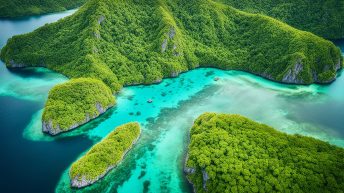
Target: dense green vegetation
[(74, 103), (322, 17), (131, 42), (19, 8), (231, 153), (104, 156)]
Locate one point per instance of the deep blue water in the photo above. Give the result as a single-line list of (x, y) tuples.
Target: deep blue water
[(34, 162), (25, 165)]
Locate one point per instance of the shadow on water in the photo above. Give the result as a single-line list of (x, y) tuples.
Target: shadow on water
[(30, 72), (28, 166)]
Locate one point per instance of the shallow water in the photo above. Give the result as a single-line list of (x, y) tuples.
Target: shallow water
[(155, 164)]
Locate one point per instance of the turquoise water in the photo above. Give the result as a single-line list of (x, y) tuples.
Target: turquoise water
[(155, 163), (30, 84)]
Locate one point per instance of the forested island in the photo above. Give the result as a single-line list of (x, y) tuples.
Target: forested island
[(133, 42), (20, 8), (324, 18), (74, 103), (104, 156), (231, 153)]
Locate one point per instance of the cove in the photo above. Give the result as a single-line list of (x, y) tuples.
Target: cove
[(155, 164)]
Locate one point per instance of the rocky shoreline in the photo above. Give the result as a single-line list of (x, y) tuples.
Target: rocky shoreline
[(190, 171), (47, 126)]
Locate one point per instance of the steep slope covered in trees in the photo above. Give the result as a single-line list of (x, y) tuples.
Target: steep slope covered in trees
[(131, 42), (74, 103), (18, 8), (230, 153), (322, 17)]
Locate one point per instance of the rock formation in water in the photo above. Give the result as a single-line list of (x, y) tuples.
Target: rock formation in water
[(232, 153), (75, 103), (104, 156)]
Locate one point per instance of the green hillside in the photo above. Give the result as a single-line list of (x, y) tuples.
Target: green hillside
[(74, 103), (132, 42), (19, 8), (322, 17), (230, 153)]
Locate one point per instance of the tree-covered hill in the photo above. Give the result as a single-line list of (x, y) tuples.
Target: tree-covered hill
[(19, 8), (131, 42), (230, 153), (74, 103), (322, 17)]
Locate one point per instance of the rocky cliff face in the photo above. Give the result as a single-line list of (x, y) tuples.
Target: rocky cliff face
[(292, 74), (48, 127), (190, 171)]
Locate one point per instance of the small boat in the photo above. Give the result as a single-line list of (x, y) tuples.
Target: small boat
[(149, 101), (216, 78)]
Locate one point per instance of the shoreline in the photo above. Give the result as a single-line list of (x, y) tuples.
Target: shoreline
[(176, 75), (47, 126)]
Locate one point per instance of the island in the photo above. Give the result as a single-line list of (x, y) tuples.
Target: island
[(21, 8), (231, 153), (74, 103), (104, 156), (140, 42), (324, 18)]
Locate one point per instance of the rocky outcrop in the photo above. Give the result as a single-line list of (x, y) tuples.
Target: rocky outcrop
[(174, 74), (292, 74), (164, 44), (48, 127), (97, 35), (205, 179), (190, 170), (81, 182), (339, 65), (16, 65), (101, 19)]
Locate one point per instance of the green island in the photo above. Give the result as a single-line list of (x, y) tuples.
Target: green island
[(104, 156), (140, 42), (20, 8), (74, 103), (324, 18), (231, 153)]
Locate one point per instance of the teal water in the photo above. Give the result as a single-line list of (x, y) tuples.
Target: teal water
[(29, 84), (155, 163)]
